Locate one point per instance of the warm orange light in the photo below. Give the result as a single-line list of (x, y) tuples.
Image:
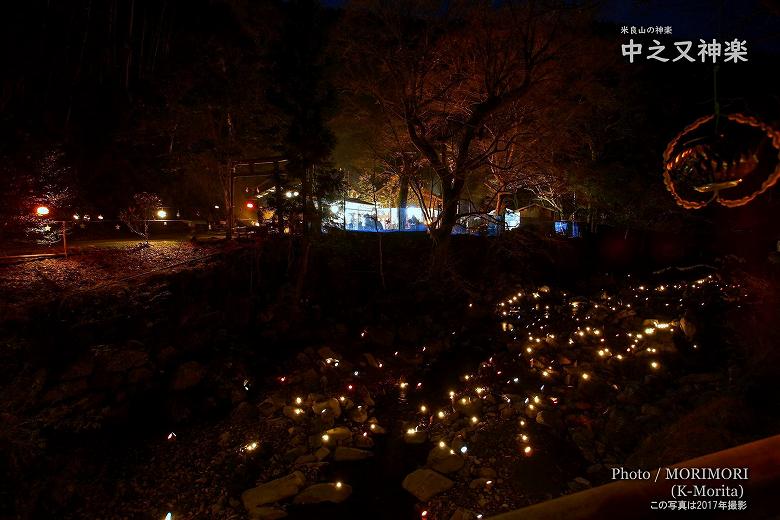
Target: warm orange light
[(42, 211), (250, 205)]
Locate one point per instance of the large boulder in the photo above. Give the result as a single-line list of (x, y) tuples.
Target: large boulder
[(425, 484), (317, 493), (272, 491)]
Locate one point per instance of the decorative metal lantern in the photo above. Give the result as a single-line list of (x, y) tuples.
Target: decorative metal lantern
[(731, 163)]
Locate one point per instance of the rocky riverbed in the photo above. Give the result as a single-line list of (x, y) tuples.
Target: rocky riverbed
[(461, 426), (503, 404)]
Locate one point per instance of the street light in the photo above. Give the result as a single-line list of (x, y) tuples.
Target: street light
[(42, 211), (161, 213)]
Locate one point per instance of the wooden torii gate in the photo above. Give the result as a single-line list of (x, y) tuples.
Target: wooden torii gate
[(250, 164)]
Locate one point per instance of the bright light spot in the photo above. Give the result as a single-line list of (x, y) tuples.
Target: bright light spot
[(527, 450), (585, 376), (169, 516), (654, 364), (423, 409), (474, 420), (463, 449), (326, 437), (250, 205), (298, 400), (252, 446), (161, 213), (442, 445), (338, 485)]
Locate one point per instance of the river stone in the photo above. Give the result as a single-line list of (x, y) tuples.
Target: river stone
[(371, 360), (550, 418), (323, 493), (188, 375), (488, 473), (273, 491), (425, 484), (350, 454), (480, 483), (322, 453), (462, 514), (289, 412), (339, 433), (359, 414), (305, 459), (688, 328), (444, 460), (330, 404)]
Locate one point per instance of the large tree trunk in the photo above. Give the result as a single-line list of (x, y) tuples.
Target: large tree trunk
[(450, 191), (403, 200), (500, 210)]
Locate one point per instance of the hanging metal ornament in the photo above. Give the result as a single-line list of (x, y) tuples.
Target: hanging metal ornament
[(730, 161)]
